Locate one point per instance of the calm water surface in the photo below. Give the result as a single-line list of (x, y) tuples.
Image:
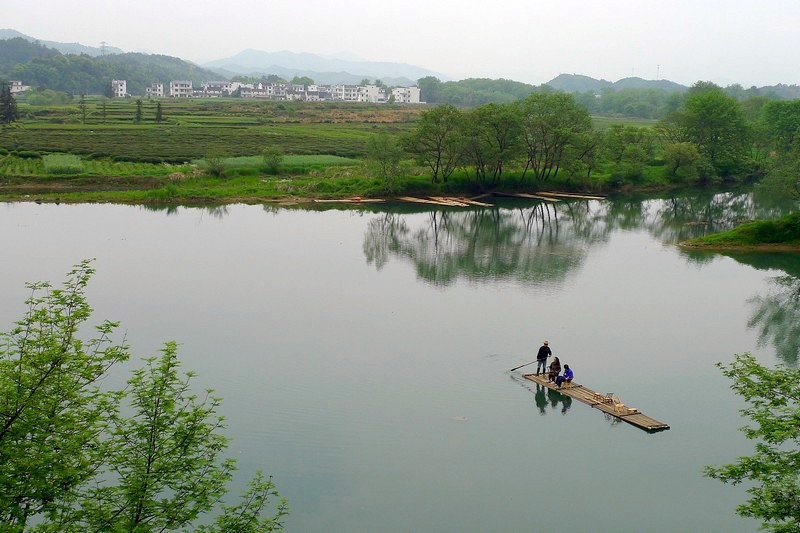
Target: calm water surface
[(363, 355)]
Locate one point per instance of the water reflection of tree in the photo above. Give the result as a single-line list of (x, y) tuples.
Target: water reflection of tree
[(777, 315), (680, 217), (215, 211), (532, 244)]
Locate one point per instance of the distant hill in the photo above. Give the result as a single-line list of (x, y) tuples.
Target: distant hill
[(92, 75), (577, 83), (787, 92), (64, 48), (320, 69), (18, 50), (473, 91)]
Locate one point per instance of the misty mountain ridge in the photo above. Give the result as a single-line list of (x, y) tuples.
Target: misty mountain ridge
[(319, 68), (17, 50), (578, 83), (64, 48)]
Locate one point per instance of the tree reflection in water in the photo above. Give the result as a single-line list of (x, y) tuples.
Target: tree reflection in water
[(777, 315), (531, 244), (538, 242)]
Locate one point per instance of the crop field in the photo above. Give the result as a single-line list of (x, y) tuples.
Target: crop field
[(68, 164), (175, 143), (196, 128)]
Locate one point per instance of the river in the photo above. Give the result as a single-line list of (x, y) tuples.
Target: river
[(363, 354)]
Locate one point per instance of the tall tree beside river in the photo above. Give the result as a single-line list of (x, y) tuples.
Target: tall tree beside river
[(72, 461), (551, 123), (716, 123), (773, 471)]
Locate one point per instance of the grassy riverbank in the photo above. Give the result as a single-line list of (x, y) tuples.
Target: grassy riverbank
[(101, 150), (767, 235)]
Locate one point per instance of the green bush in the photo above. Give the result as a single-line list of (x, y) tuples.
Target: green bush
[(62, 164), (27, 154)]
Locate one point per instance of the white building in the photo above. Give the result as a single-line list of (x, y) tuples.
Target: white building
[(348, 93), (119, 88), (406, 95), (214, 89), (180, 89), (16, 87), (156, 90), (372, 94)]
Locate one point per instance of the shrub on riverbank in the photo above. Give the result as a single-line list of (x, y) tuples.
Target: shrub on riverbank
[(783, 231)]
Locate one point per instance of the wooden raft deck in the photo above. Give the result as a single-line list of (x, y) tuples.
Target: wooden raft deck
[(602, 402)]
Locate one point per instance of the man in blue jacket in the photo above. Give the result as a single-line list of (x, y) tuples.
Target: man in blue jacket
[(566, 376)]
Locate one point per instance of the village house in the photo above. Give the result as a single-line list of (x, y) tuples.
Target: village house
[(16, 87), (406, 95), (119, 88), (180, 89), (156, 90), (286, 91)]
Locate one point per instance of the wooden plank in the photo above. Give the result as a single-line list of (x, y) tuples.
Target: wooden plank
[(601, 402), (570, 195), (448, 201), (526, 196), (472, 201), (459, 201), (354, 200), (431, 201)]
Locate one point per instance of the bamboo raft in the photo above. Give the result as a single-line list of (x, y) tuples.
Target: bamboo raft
[(571, 195), (526, 196), (608, 403), (353, 200), (448, 201)]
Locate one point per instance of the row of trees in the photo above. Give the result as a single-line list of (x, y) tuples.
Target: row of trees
[(543, 132), (75, 457), (709, 136)]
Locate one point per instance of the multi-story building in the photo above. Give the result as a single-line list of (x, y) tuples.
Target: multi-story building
[(214, 89), (16, 87), (119, 88), (180, 89), (372, 94), (348, 93), (156, 90), (406, 95)]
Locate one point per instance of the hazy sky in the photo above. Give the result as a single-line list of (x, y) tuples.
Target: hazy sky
[(730, 41)]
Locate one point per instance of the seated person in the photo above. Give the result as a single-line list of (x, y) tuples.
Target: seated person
[(555, 369), (566, 377)]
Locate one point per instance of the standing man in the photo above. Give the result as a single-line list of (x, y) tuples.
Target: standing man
[(541, 358)]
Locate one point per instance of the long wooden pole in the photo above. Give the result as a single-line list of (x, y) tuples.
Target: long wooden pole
[(520, 366)]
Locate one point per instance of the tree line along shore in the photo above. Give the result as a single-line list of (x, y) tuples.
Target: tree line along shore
[(231, 150)]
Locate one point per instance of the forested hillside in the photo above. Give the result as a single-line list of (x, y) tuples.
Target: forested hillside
[(18, 50), (473, 91), (39, 66)]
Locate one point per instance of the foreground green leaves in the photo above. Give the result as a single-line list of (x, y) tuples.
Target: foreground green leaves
[(773, 470), (76, 458)]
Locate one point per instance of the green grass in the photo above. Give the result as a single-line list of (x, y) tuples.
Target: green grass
[(62, 164), (319, 160), (784, 231)]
